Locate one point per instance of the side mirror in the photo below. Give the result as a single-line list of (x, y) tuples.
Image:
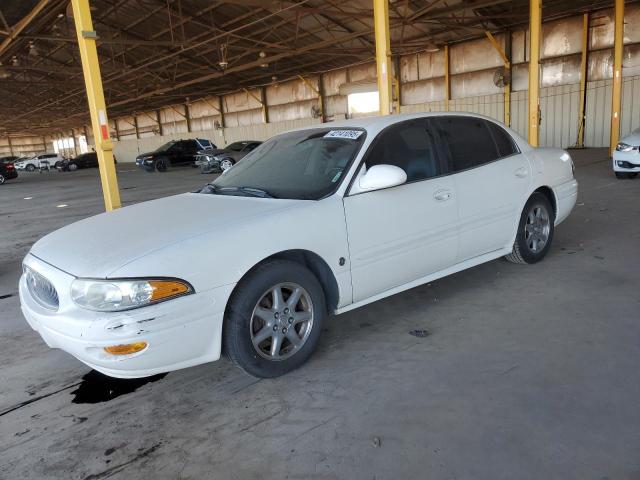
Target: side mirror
[(379, 177)]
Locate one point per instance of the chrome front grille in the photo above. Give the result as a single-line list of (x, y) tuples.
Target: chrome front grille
[(41, 289)]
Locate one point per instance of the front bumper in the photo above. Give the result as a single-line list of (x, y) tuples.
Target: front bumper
[(180, 333), (626, 161), (566, 196)]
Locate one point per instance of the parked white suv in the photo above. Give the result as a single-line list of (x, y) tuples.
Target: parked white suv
[(39, 161), (314, 222)]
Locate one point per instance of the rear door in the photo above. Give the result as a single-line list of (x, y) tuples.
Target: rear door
[(400, 234), (491, 179)]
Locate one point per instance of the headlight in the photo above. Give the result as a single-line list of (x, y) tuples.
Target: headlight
[(624, 147), (116, 295)]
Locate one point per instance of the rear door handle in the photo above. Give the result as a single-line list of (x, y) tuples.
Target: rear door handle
[(442, 195), (521, 172)]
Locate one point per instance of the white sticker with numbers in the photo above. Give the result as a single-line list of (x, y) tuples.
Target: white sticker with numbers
[(350, 134)]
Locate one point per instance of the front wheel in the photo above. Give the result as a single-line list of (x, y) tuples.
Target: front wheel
[(274, 319), (2, 179), (30, 168), (73, 167), (162, 165), (226, 164), (535, 231)]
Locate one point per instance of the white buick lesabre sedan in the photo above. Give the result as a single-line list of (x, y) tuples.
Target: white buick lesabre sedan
[(316, 221)]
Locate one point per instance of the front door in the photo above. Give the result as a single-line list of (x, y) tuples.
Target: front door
[(401, 234)]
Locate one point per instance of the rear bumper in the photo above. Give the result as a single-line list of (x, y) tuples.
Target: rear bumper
[(180, 333), (11, 174), (566, 196)]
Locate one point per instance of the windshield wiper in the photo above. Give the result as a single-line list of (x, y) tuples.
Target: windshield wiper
[(247, 191)]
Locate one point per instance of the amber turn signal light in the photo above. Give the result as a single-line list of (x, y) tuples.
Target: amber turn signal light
[(126, 349), (163, 289)]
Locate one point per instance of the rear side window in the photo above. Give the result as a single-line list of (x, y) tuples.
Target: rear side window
[(504, 142), (408, 145), (468, 141)]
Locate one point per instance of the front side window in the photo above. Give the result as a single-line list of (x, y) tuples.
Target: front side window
[(408, 145), (467, 142), (304, 165)]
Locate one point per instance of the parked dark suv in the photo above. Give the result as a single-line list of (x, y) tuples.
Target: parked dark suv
[(84, 160), (176, 152)]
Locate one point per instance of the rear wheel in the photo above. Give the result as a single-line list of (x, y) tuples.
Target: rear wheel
[(535, 231), (274, 319), (2, 179), (73, 167)]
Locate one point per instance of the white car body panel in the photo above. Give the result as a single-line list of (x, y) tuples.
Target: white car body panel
[(212, 241)]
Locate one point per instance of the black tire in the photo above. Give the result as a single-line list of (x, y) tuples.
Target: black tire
[(238, 322), (162, 165), (523, 252), (2, 179), (30, 168), (72, 167)]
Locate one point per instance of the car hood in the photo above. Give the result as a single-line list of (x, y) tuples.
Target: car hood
[(148, 154), (632, 139), (99, 245)]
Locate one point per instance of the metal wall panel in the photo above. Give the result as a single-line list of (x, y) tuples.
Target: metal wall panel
[(430, 65), (559, 115), (475, 55), (332, 81), (292, 91), (598, 107), (424, 91), (474, 84)]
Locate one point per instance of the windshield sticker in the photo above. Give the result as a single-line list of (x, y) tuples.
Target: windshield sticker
[(350, 134)]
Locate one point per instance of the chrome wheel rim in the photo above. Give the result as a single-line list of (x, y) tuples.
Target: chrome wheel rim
[(281, 321), (225, 165), (537, 228)]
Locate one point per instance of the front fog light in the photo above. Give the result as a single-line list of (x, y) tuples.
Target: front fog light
[(116, 295)]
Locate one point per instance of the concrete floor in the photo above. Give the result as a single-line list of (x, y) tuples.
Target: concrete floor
[(529, 372)]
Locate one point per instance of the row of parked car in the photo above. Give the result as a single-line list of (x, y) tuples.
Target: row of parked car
[(196, 152)]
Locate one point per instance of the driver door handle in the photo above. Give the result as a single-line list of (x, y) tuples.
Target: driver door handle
[(443, 195)]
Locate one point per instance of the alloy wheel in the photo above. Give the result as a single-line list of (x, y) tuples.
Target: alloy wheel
[(537, 228), (281, 321)]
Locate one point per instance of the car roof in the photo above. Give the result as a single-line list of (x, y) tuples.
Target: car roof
[(374, 124)]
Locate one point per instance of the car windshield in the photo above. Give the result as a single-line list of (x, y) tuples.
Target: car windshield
[(303, 165), (166, 146)]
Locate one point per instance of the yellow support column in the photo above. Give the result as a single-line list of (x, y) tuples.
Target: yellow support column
[(583, 80), (535, 20), (383, 54), (616, 97), (95, 96), (447, 79)]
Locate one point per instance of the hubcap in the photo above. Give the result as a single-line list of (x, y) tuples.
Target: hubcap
[(226, 165), (537, 228), (281, 321)]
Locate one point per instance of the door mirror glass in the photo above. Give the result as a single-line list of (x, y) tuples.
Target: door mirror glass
[(379, 177)]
